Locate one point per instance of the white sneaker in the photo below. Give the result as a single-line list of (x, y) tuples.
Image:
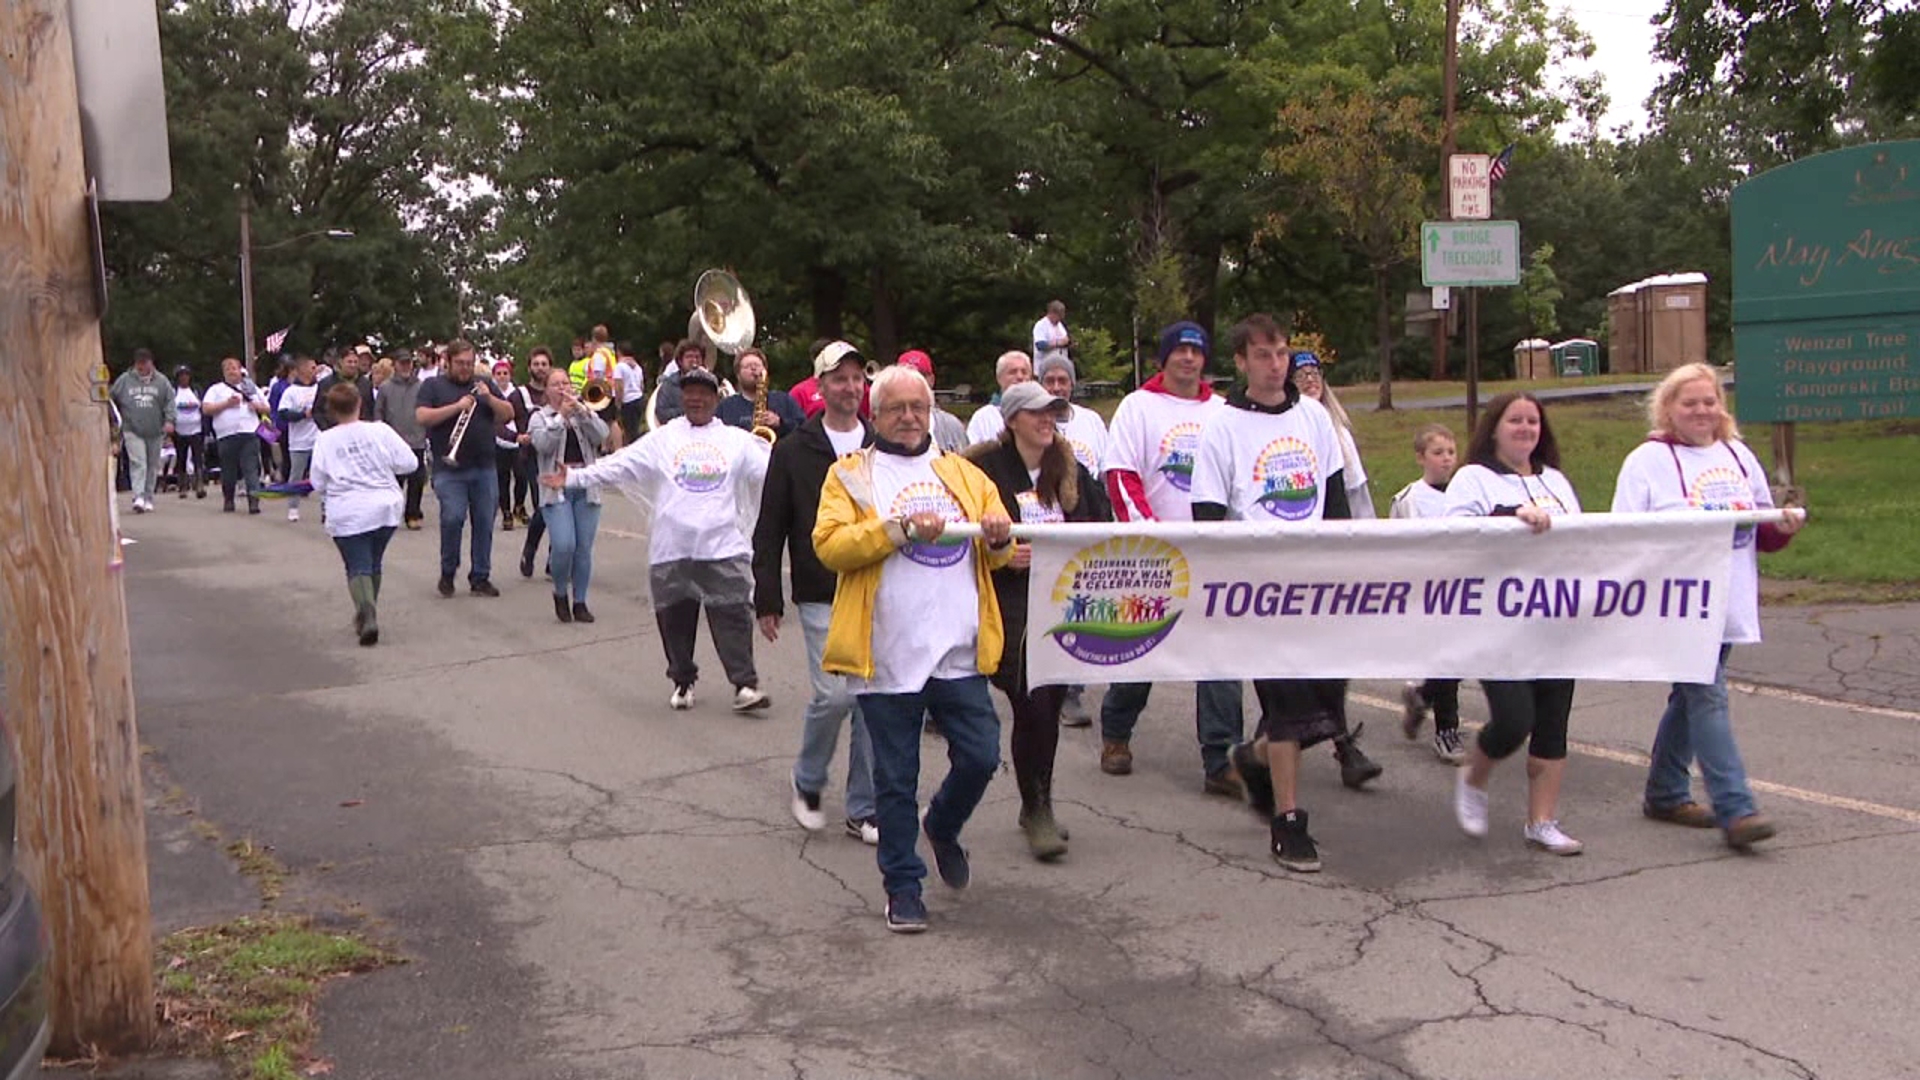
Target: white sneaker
[(293, 513), (1470, 807), (749, 698), (1547, 836), (865, 830), (1449, 747), (806, 809), (682, 698), (139, 505)]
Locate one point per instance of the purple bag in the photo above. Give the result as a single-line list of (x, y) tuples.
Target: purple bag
[(267, 432)]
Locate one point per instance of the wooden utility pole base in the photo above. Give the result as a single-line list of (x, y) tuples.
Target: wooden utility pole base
[(69, 683)]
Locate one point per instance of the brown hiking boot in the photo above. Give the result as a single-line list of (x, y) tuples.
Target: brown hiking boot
[(1689, 813), (1116, 758), (1225, 782), (1745, 832)]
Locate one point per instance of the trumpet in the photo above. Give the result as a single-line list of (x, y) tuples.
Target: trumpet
[(460, 425)]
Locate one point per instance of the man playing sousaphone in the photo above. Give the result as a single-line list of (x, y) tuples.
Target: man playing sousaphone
[(758, 405)]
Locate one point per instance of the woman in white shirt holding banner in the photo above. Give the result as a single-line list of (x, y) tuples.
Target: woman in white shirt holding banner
[(355, 470), (1513, 470), (1693, 459)]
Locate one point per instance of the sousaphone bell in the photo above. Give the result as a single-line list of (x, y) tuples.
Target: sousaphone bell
[(722, 320)]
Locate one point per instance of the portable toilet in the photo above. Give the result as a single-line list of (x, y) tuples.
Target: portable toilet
[(1576, 357), (1533, 359)]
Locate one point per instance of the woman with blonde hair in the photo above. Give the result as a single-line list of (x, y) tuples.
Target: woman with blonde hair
[(1311, 383), (1693, 459)]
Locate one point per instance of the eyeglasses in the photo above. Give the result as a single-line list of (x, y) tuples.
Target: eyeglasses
[(906, 408)]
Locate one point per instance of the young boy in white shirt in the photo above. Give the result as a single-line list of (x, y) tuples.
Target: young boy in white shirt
[(1437, 452)]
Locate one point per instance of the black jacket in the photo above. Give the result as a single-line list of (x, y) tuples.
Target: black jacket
[(1003, 465), (323, 416), (789, 504)]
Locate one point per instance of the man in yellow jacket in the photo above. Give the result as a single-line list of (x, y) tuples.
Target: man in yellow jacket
[(916, 628)]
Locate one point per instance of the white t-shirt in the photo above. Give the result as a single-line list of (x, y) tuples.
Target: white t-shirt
[(301, 433), (1045, 333), (1087, 434), (186, 408), (985, 425), (1266, 466), (926, 614), (1477, 491), (1157, 436), (846, 442), (1419, 500), (633, 381), (697, 480), (353, 472), (1724, 476), (239, 420)]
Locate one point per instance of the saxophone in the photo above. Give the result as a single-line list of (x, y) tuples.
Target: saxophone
[(760, 408)]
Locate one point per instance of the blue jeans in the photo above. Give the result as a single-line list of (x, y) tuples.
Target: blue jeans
[(571, 523), (471, 491), (832, 702), (1698, 725), (362, 552), (1218, 720), (965, 714)]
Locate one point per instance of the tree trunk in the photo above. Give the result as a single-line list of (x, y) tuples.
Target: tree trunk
[(829, 293), (69, 689), (886, 318), (1383, 335)]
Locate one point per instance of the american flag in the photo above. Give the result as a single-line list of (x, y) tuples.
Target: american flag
[(1498, 171), (279, 337)]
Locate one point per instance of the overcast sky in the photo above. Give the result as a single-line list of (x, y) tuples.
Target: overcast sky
[(1623, 47)]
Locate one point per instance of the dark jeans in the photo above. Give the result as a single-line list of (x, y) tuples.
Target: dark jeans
[(964, 712), (416, 483), (1534, 712), (239, 460), (190, 448), (512, 482), (471, 491), (362, 552), (1218, 719), (1443, 696), (633, 419)]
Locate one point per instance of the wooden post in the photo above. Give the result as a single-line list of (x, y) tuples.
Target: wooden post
[(69, 683), (1449, 80)]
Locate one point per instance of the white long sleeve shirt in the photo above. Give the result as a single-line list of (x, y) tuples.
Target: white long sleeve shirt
[(701, 482)]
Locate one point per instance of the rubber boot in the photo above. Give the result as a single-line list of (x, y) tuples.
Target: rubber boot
[(365, 623), (1356, 768), (1044, 841), (376, 588)]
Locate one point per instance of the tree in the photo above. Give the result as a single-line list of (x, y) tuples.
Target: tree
[(1539, 294), (1354, 157)]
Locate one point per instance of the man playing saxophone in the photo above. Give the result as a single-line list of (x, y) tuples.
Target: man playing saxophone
[(758, 405)]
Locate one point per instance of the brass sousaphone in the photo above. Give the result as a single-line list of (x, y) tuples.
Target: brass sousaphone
[(722, 319)]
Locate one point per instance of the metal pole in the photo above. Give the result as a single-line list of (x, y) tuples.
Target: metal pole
[(1473, 360), (1450, 77), (246, 280)]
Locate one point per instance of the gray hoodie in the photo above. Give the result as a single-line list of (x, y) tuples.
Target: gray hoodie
[(393, 405), (146, 405)]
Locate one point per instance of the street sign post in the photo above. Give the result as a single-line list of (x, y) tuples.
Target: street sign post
[(1471, 253), (1470, 187)]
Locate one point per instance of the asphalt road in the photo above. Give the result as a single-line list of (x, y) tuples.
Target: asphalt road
[(589, 885)]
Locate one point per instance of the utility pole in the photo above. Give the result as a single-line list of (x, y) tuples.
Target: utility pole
[(1450, 81), (246, 278), (69, 683)]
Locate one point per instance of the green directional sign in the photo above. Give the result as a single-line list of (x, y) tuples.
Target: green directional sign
[(1470, 253), (1826, 287)]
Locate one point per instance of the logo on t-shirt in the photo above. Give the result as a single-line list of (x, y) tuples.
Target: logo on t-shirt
[(923, 496), (699, 467), (1722, 488), (1178, 448), (1083, 454), (1118, 599), (1287, 475), (1035, 512)]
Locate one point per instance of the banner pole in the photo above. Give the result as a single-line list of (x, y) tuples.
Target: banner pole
[(1102, 530)]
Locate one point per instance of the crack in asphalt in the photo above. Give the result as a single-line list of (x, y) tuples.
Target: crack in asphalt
[(1800, 1067)]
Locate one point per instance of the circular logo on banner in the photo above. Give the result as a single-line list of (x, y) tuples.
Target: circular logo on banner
[(1179, 447), (1721, 488), (923, 496), (1287, 474), (699, 467), (1118, 599)]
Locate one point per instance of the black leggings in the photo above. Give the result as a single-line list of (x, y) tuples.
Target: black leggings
[(185, 448), (1534, 712), (1036, 732), (1444, 697)]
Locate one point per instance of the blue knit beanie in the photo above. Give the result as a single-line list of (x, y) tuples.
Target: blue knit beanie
[(1184, 333)]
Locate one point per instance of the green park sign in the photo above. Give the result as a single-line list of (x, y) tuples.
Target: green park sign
[(1826, 287)]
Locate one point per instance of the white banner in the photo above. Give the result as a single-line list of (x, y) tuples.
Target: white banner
[(1626, 597)]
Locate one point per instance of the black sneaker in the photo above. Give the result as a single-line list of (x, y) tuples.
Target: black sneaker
[(1292, 847), (526, 565), (581, 614), (562, 610), (483, 587), (906, 913), (949, 858), (1255, 776), (1356, 768), (866, 830), (446, 586)]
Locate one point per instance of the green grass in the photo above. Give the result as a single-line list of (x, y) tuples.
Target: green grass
[(245, 990)]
